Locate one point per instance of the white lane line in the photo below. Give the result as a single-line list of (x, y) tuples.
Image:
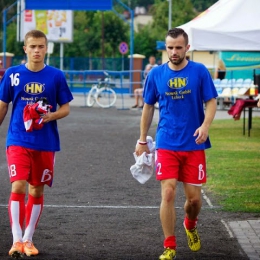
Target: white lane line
[(120, 207), (222, 221), (207, 199), (227, 228), (97, 207), (100, 207)]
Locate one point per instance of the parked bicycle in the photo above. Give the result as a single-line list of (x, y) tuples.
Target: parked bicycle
[(102, 93)]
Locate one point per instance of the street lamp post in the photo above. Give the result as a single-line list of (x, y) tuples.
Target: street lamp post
[(170, 15)]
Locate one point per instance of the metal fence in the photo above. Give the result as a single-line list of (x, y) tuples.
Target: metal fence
[(120, 81), (75, 63)]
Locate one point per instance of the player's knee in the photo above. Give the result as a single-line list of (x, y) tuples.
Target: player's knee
[(195, 202), (36, 191), (168, 194), (19, 187)]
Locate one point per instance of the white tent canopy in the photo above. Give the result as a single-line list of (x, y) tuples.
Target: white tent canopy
[(228, 25)]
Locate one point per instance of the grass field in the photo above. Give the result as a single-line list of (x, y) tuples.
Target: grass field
[(233, 165)]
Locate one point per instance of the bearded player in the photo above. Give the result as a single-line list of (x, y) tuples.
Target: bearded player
[(182, 88), (31, 142)]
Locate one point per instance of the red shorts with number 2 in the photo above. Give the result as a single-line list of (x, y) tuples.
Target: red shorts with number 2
[(188, 167), (36, 167)]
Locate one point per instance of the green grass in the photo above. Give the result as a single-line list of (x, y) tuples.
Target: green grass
[(233, 165)]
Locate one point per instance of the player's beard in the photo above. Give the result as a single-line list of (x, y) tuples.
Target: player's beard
[(178, 61)]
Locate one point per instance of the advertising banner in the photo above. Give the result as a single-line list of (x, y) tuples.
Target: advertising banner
[(240, 64), (241, 59), (56, 24)]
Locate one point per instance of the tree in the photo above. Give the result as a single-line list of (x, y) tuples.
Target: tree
[(10, 13), (89, 38), (115, 31), (145, 42), (202, 5), (11, 43), (86, 38), (182, 12), (4, 4), (146, 37)]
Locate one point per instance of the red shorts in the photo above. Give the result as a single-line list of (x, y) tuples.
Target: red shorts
[(188, 167), (36, 167)]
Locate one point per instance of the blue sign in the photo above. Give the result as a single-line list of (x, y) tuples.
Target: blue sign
[(123, 48), (88, 5), (240, 64)]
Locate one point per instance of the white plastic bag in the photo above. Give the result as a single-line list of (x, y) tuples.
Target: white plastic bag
[(143, 168)]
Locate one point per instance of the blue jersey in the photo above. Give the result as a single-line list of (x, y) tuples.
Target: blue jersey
[(180, 95), (21, 87)]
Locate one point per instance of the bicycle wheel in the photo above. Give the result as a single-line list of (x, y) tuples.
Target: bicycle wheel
[(106, 97), (91, 97)]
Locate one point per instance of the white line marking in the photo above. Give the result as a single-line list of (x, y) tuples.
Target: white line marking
[(103, 207), (207, 199), (99, 207), (227, 228)]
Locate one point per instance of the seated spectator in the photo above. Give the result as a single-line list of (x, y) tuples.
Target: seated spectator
[(220, 73), (138, 93)]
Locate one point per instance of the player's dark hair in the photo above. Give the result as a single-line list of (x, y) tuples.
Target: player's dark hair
[(175, 32), (34, 34)]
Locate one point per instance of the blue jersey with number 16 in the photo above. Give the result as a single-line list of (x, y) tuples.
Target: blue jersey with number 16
[(20, 87)]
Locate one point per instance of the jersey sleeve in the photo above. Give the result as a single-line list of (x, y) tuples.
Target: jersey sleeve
[(64, 94), (149, 93), (5, 87), (209, 89)]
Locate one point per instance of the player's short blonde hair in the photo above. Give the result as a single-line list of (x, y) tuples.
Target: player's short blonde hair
[(34, 34)]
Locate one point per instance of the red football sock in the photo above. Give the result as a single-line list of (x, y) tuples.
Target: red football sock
[(170, 242), (189, 223), (16, 210), (33, 213)]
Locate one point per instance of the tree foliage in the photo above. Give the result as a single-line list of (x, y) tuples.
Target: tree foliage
[(86, 38), (95, 31), (98, 34), (145, 42), (11, 43), (182, 12), (202, 5)]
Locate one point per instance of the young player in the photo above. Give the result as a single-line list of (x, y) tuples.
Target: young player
[(40, 96)]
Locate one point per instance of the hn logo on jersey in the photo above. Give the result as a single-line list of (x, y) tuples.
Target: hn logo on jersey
[(177, 83), (34, 88)]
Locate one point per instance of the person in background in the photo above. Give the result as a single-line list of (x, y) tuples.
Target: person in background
[(180, 86), (220, 72), (40, 96), (138, 92), (258, 103)]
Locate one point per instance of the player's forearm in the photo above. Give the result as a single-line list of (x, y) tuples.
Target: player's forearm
[(146, 120), (3, 111), (63, 111), (211, 108)]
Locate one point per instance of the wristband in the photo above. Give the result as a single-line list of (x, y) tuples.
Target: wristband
[(142, 143)]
